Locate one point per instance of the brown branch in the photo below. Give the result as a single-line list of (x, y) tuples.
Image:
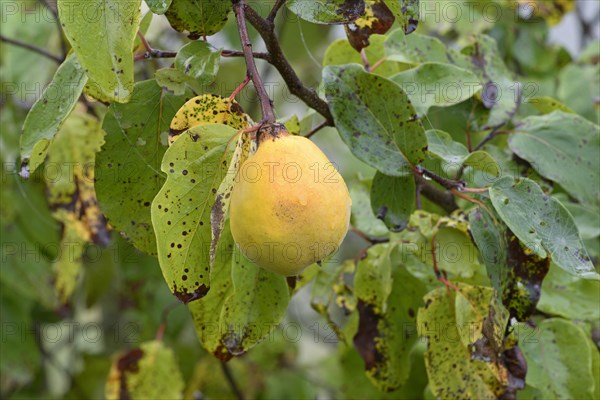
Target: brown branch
[(439, 197), (33, 48), (231, 380), (237, 53), (445, 183), (275, 9), (316, 129), (265, 29), (151, 52), (240, 8), (495, 132)]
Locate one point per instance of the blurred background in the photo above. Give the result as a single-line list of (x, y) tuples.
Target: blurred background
[(53, 350)]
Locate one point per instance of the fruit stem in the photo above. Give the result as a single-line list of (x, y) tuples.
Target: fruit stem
[(268, 116)]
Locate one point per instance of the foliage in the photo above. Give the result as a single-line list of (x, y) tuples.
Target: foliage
[(470, 147)]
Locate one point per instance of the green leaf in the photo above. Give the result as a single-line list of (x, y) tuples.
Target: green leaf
[(199, 60), (546, 105), (102, 33), (49, 112), (341, 52), (327, 11), (128, 175), (174, 80), (388, 299), (414, 48), (568, 296), (195, 164), (542, 223), (388, 136), (407, 13), (515, 272), (198, 17), (147, 372), (559, 363), (578, 88), (244, 305), (393, 200), (563, 148), (361, 216), (454, 155), (500, 93), (436, 84), (159, 6)]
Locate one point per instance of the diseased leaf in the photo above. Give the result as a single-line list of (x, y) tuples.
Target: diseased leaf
[(388, 297), (102, 33), (377, 18), (72, 196), (407, 13), (195, 166), (208, 108), (244, 305), (49, 112), (198, 17), (146, 372), (563, 148), (436, 84), (327, 11), (389, 136), (393, 200), (542, 224), (128, 175), (546, 105), (559, 363)]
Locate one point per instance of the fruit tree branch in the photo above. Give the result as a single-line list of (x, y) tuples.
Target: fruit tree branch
[(240, 8), (275, 9), (266, 30), (231, 380), (33, 48)]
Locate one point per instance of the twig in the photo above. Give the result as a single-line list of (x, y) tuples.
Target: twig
[(494, 132), (441, 198), (237, 53), (365, 60), (240, 8), (33, 48), (265, 29), (445, 183), (63, 42), (274, 10), (377, 64), (368, 238), (239, 88), (316, 129), (231, 380), (151, 52)]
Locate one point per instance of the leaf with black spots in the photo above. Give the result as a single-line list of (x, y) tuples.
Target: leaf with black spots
[(393, 199), (195, 166), (407, 13), (377, 18), (327, 11), (198, 17)]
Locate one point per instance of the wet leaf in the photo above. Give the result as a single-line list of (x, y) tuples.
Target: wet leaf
[(436, 84), (72, 196), (128, 172), (327, 11), (147, 372), (195, 166), (559, 361), (377, 18), (393, 200), (389, 136), (542, 224), (198, 17), (158, 6), (49, 112), (563, 148), (103, 43)]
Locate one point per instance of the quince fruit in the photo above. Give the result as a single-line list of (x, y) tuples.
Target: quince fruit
[(289, 205)]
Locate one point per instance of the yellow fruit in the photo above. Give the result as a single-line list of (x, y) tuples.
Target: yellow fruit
[(289, 205)]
